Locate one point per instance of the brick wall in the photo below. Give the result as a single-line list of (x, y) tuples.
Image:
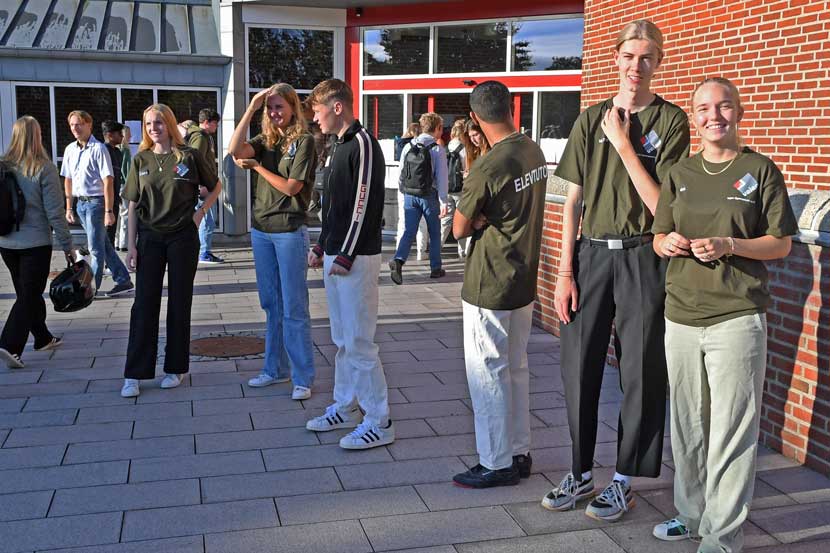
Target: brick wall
[(778, 54)]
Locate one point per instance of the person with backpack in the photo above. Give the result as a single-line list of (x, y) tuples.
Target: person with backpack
[(31, 206), (202, 138), (423, 182), (457, 167), (411, 132)]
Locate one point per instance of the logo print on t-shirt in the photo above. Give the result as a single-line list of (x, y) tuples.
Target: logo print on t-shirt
[(747, 185), (651, 142), (181, 169)]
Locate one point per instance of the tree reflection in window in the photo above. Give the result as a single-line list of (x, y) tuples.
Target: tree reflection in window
[(396, 51), (471, 48), (299, 57), (547, 45)]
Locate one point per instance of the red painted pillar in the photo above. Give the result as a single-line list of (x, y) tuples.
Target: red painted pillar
[(376, 110), (353, 62), (517, 110), (430, 103)]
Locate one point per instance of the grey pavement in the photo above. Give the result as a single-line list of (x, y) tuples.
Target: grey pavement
[(215, 466)]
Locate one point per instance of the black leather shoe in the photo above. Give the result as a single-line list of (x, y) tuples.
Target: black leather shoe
[(437, 273), (523, 463), (481, 477), (395, 266)]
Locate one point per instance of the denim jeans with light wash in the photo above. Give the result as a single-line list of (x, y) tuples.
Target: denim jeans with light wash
[(91, 216), (206, 228), (413, 208), (281, 263)]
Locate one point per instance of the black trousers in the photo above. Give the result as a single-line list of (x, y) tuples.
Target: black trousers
[(626, 287), (29, 270), (179, 253)]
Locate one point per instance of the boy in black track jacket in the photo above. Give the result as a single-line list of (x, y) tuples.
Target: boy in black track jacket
[(349, 251)]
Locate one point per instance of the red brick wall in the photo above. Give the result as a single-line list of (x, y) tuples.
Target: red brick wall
[(778, 54)]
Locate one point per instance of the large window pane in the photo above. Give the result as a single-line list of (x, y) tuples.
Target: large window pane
[(396, 51), (34, 101), (384, 115), (471, 48), (100, 103), (558, 112), (301, 58), (133, 103), (187, 103), (526, 113), (548, 45)]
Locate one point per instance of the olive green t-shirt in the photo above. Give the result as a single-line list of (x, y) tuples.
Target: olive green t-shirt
[(274, 211), (612, 207), (748, 200), (200, 140), (508, 187), (165, 190)]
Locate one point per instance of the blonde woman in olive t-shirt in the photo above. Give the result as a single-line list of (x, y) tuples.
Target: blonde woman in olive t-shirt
[(721, 213), (283, 157)]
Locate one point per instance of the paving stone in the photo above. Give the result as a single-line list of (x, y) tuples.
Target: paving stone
[(19, 506), (800, 483), (125, 497), (446, 527), (30, 457), (189, 544), (195, 466), (64, 375), (553, 417), (77, 433), (279, 419), (405, 380), (444, 496), (49, 533), (270, 484), (796, 522), (73, 401), (321, 456), (19, 377), (74, 476), (29, 390), (3, 435), (116, 413), (819, 546), (771, 460), (546, 400), (328, 507), (37, 418), (254, 439), (190, 393), (245, 405), (217, 378), (587, 541), (436, 393), (130, 449), (638, 538), (436, 549), (13, 405), (198, 519), (324, 537), (381, 475), (440, 446), (413, 428), (192, 425)]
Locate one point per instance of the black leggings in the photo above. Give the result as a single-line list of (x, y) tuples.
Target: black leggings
[(29, 269)]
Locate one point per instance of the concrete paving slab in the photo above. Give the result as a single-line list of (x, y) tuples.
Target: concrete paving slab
[(349, 505), (72, 476), (587, 541), (325, 537), (19, 506), (445, 496), (439, 446), (254, 439), (189, 393), (795, 523), (321, 456), (32, 390), (72, 401), (800, 483), (244, 405), (49, 533), (31, 457), (411, 428), (130, 449), (190, 544), (192, 425), (195, 466), (116, 413), (125, 497), (13, 405), (77, 433), (279, 419), (423, 409), (381, 475), (269, 484)]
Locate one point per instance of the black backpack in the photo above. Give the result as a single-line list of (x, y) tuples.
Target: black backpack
[(456, 171), (416, 171), (12, 201)]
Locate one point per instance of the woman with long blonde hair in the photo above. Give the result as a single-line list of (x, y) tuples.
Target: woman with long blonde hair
[(283, 156), (26, 247), (162, 188)]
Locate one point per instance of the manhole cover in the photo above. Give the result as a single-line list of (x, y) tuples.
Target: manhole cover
[(227, 346)]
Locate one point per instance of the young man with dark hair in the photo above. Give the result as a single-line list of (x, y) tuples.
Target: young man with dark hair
[(113, 136), (348, 249), (202, 138), (501, 206)]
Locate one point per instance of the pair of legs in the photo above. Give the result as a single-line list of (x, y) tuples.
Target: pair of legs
[(121, 224), (177, 252), (446, 225), (716, 375), (91, 216), (421, 235), (206, 229), (414, 208), (280, 259), (29, 269)]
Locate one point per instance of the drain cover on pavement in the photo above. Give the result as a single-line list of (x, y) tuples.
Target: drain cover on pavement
[(227, 346)]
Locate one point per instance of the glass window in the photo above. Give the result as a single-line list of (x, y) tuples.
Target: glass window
[(59, 23), (133, 103), (88, 29), (100, 103), (471, 48), (301, 58), (187, 103), (558, 112), (384, 115), (176, 29), (526, 113), (148, 22), (34, 101), (117, 33), (396, 51), (548, 45)]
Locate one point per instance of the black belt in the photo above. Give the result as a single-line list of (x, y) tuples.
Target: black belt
[(619, 243), (88, 198)]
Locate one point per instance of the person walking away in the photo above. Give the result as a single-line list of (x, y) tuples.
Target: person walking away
[(411, 132), (456, 169), (202, 138)]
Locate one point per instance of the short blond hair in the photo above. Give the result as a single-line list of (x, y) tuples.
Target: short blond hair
[(457, 130), (642, 29), (84, 116), (331, 90), (430, 122)]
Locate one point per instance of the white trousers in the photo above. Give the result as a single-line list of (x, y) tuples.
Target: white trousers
[(495, 354), (446, 225), (421, 238), (353, 314)]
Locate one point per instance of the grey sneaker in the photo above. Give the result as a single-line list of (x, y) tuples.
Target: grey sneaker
[(171, 381), (333, 419), (130, 388), (119, 289), (12, 360), (612, 503), (671, 530), (570, 490), (261, 380), (300, 393)]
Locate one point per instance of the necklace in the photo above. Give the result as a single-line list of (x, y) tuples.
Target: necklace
[(162, 162), (713, 173)]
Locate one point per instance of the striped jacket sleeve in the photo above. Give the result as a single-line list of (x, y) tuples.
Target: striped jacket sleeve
[(366, 180)]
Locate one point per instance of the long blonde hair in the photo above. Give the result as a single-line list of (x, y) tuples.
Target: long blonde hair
[(474, 152), (296, 128), (26, 151), (642, 29), (176, 140)]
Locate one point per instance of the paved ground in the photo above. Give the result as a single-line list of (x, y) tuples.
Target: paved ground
[(215, 466)]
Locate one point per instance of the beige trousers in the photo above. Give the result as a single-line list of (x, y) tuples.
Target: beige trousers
[(716, 375)]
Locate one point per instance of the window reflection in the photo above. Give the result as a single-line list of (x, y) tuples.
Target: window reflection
[(547, 45), (299, 57), (558, 112), (396, 51), (471, 48)]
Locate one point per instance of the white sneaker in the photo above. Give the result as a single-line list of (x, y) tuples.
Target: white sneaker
[(671, 530), (130, 388), (261, 380), (420, 256), (12, 360), (171, 381), (301, 392), (368, 435), (333, 419)]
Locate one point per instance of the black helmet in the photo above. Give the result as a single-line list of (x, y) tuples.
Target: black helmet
[(73, 289)]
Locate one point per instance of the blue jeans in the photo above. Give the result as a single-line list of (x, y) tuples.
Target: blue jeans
[(281, 263), (91, 215), (413, 208), (206, 228)]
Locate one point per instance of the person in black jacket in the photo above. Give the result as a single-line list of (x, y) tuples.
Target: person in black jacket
[(349, 251)]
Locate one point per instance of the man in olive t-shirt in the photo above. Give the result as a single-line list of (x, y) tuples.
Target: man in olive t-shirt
[(502, 206), (203, 139)]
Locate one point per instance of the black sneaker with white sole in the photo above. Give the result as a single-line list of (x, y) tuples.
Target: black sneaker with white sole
[(481, 477), (523, 464), (395, 270), (122, 288)]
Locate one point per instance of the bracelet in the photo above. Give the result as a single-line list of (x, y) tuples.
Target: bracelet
[(108, 211), (731, 246)]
